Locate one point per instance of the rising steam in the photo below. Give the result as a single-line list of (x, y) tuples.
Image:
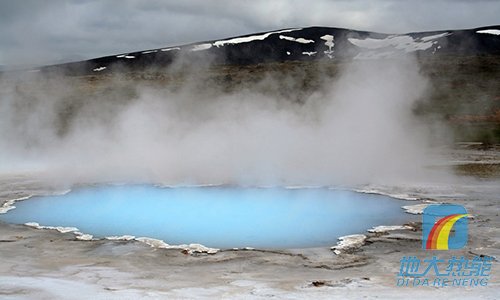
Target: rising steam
[(356, 128)]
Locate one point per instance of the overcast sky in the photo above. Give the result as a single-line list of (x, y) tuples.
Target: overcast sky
[(43, 31)]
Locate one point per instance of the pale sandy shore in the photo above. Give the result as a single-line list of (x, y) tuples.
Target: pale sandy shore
[(46, 264)]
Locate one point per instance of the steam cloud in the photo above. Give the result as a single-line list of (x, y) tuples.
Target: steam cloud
[(357, 128)]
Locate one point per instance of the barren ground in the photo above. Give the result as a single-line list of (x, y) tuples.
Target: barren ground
[(46, 264)]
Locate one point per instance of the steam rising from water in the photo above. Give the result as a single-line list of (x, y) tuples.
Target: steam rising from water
[(358, 128)]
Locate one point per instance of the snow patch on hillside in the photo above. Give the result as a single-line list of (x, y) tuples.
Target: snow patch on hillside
[(309, 53), (329, 43), (400, 42), (490, 31), (403, 43), (435, 36), (170, 49), (200, 47), (251, 38), (298, 40)]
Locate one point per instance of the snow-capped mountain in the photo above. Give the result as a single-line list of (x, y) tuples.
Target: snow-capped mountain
[(294, 44)]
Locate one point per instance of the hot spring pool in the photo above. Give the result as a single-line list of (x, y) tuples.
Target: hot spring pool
[(221, 217)]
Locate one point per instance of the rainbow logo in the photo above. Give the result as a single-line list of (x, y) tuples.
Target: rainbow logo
[(444, 227)]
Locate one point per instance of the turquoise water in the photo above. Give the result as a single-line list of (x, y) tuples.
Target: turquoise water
[(222, 217)]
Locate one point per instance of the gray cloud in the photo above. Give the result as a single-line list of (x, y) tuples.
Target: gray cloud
[(35, 32)]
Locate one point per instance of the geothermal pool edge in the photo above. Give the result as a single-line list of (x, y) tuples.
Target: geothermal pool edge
[(38, 263), (195, 245)]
